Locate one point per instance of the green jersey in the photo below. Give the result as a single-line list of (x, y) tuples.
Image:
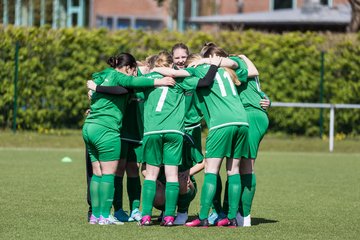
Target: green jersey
[(164, 108), (108, 110), (249, 91), (193, 113), (219, 102), (133, 129)]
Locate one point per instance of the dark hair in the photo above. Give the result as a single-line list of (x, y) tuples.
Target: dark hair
[(206, 47), (122, 60), (214, 50), (180, 45), (210, 49)]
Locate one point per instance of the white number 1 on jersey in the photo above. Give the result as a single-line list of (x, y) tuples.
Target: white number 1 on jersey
[(162, 99)]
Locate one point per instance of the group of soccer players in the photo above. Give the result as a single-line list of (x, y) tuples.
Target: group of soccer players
[(150, 116)]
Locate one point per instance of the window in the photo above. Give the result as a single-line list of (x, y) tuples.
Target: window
[(282, 4), (109, 22), (148, 24), (122, 23), (104, 22), (324, 2)]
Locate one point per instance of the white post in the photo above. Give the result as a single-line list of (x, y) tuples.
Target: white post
[(42, 13), (18, 13), (331, 128), (6, 13)]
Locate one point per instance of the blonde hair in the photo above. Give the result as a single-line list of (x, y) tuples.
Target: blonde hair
[(233, 76), (150, 61), (192, 57), (164, 59)]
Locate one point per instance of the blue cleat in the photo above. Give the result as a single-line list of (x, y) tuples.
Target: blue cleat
[(121, 215)]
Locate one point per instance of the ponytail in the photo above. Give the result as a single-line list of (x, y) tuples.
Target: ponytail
[(122, 60)]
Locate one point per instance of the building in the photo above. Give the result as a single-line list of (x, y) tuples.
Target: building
[(282, 15), (269, 15)]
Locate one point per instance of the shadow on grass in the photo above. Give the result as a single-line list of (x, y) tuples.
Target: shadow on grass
[(254, 221), (258, 221)]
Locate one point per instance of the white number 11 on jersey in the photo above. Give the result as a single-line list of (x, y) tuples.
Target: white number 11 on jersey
[(162, 99), (222, 86)]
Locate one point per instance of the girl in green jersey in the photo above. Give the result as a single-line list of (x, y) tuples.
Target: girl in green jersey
[(255, 102), (101, 131), (218, 103), (163, 139)]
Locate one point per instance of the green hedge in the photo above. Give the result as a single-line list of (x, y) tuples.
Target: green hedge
[(54, 64)]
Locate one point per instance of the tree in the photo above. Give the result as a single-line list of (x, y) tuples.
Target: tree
[(355, 16)]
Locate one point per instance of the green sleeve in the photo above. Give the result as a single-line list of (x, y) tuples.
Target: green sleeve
[(190, 70), (241, 71), (189, 83), (134, 82)]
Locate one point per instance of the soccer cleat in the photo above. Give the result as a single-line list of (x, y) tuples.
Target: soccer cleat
[(114, 221), (198, 223), (121, 215), (243, 221), (222, 222), (181, 218), (167, 221), (93, 219), (135, 215), (111, 220), (214, 217), (247, 221), (145, 221), (232, 223)]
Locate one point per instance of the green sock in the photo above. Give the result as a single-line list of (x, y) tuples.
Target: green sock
[(217, 198), (226, 198), (134, 191), (207, 194), (106, 194), (248, 182), (234, 195), (118, 194), (148, 196), (95, 195), (171, 198)]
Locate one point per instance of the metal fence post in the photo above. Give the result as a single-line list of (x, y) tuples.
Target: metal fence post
[(321, 93), (331, 128)]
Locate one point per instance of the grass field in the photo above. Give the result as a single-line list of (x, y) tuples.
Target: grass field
[(303, 192)]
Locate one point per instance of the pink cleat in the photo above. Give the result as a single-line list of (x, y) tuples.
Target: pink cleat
[(93, 220), (223, 222), (145, 221), (198, 223), (167, 221)]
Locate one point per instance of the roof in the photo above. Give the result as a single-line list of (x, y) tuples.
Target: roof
[(323, 15)]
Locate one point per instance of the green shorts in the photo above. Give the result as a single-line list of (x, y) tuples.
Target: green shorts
[(163, 148), (258, 125), (131, 151), (102, 143), (230, 141), (192, 152)]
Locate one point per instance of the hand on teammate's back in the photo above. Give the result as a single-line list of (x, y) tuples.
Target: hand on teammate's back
[(91, 85), (265, 103), (165, 81)]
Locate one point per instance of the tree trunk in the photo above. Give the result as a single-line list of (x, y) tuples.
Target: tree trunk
[(355, 16)]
